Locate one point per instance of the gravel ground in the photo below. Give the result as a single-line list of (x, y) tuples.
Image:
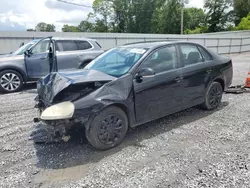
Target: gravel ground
[(193, 148)]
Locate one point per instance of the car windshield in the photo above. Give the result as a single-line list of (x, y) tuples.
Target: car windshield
[(117, 61), (22, 49)]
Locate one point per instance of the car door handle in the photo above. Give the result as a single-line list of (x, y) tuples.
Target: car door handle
[(178, 79)]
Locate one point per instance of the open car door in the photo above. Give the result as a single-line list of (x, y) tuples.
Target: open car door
[(41, 58)]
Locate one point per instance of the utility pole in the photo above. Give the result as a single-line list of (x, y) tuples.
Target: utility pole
[(183, 2), (182, 15)]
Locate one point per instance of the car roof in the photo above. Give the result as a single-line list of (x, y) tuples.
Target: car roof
[(35, 40), (154, 44), (72, 38)]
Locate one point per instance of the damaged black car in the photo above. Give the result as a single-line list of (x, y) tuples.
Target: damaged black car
[(130, 85)]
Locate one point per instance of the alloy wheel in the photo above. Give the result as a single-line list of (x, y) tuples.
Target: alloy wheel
[(215, 95), (10, 82)]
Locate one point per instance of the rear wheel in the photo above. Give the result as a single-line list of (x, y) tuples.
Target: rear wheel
[(10, 81), (108, 128), (213, 96)]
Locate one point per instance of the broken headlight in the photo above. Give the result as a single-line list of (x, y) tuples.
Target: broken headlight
[(64, 110)]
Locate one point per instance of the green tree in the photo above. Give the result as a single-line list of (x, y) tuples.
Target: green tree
[(100, 26), (145, 16), (171, 17), (244, 24), (120, 19), (103, 8), (43, 27), (194, 17), (140, 16), (197, 30), (156, 26), (241, 9), (50, 28), (218, 14), (86, 26), (70, 28)]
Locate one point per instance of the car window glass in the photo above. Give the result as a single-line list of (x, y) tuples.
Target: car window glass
[(115, 58), (117, 61), (191, 55), (22, 49), (205, 54), (83, 45), (162, 60), (66, 45), (41, 47), (59, 46)]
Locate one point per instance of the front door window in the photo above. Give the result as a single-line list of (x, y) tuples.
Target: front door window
[(41, 47), (162, 60)]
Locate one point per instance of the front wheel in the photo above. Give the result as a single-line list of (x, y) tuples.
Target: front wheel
[(10, 81), (213, 96), (108, 128)]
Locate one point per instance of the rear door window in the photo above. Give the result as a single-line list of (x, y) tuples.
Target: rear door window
[(190, 54), (66, 45), (205, 54), (83, 45)]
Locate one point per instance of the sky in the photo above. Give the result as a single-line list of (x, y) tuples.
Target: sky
[(19, 15)]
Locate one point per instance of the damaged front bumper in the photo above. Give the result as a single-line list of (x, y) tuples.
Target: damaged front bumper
[(56, 122), (59, 111)]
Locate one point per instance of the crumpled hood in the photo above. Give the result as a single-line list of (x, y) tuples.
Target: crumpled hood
[(51, 85)]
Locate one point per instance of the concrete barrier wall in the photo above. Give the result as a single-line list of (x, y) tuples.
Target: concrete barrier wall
[(222, 43)]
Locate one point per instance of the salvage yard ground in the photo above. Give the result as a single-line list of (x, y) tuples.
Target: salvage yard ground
[(193, 148)]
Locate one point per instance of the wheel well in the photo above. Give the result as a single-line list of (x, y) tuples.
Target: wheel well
[(219, 80), (124, 109), (121, 106), (14, 69)]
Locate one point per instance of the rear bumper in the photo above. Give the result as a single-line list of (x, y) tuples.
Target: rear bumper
[(228, 76)]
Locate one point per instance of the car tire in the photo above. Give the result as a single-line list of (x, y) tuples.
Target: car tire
[(213, 96), (10, 81), (108, 128)]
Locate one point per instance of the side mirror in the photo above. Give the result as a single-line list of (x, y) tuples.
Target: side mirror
[(144, 72), (27, 53)]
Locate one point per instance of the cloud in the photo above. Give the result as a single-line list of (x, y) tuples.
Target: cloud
[(74, 17), (9, 26), (196, 3), (11, 21), (23, 14)]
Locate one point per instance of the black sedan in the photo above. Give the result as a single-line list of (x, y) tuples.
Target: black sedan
[(130, 85)]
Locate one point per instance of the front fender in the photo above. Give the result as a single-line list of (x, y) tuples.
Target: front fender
[(20, 70), (118, 93), (86, 115)]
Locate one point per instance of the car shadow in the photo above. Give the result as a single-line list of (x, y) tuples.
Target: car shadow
[(78, 152), (27, 88)]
